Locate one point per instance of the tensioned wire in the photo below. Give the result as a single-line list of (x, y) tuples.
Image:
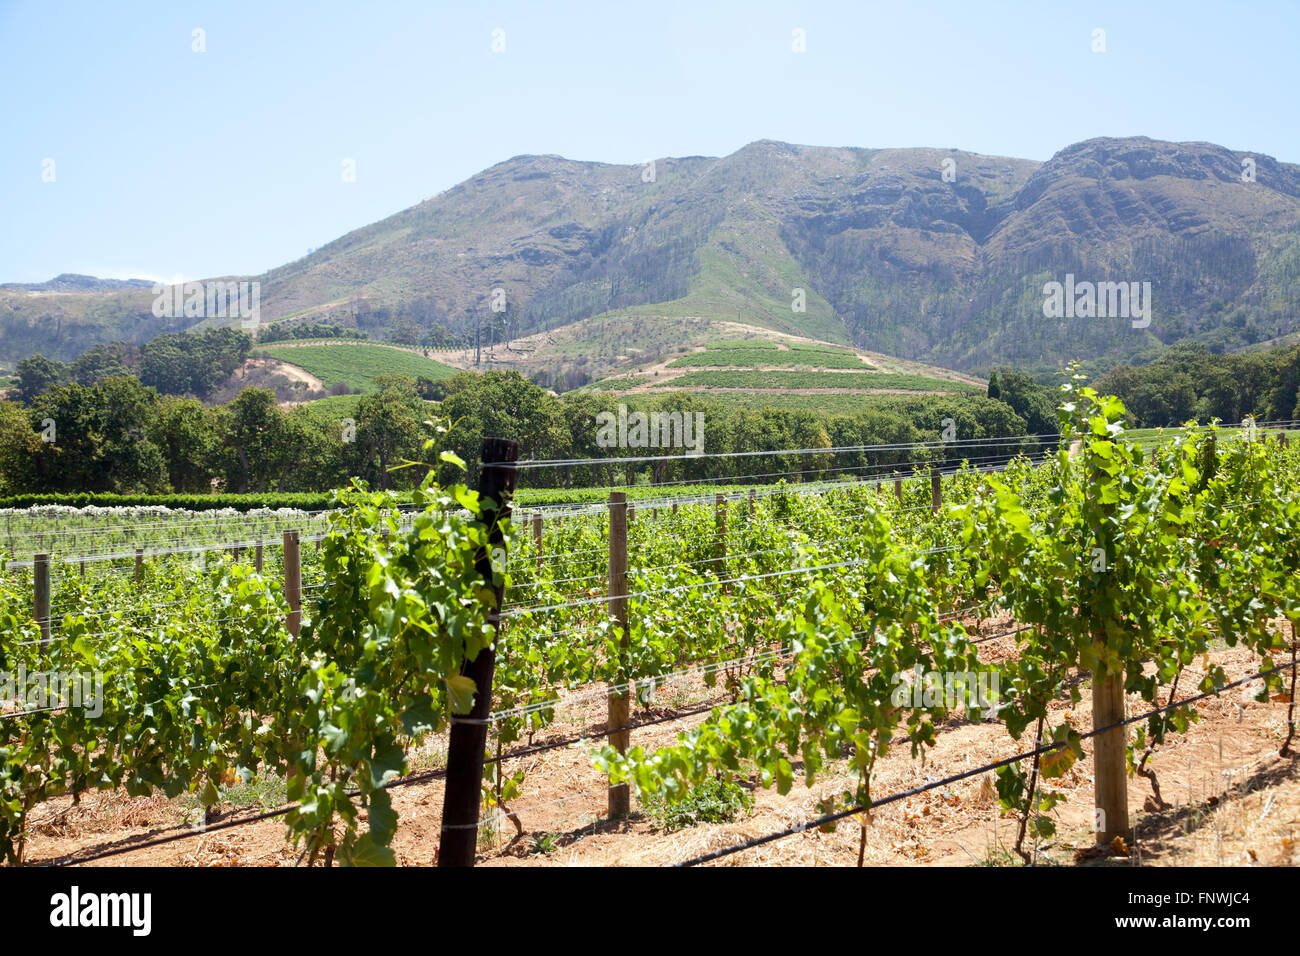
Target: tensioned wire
[(811, 545), (806, 489), (526, 610), (250, 543), (800, 491), (878, 471), (530, 609), (833, 450), (651, 503), (276, 520), (530, 708), (676, 677), (789, 523), (165, 522), (592, 626), (517, 610), (874, 471), (711, 666), (846, 482)]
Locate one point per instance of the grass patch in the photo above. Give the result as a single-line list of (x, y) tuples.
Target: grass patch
[(714, 801)]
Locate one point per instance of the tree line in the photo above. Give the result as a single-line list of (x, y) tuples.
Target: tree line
[(1190, 382), (119, 435), (173, 363)]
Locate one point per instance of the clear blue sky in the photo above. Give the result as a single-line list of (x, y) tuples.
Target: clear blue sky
[(229, 161)]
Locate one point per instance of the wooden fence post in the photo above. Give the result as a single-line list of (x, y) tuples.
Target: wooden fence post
[(1110, 756), (293, 581), (537, 536), (257, 556), (462, 799), (1110, 749), (41, 597), (139, 564), (619, 704), (936, 491), (751, 502), (898, 489), (720, 522)]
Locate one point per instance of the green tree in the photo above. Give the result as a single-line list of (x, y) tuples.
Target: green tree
[(101, 438), (388, 431), (185, 432), (256, 440), (37, 374), (20, 443)]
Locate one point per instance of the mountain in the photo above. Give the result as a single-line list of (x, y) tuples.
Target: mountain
[(933, 255), (72, 282)]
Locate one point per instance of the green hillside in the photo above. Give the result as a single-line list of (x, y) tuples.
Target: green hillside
[(357, 364), (868, 247)]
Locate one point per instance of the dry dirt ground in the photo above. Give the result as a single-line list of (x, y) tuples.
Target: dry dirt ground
[(286, 380), (1233, 801)]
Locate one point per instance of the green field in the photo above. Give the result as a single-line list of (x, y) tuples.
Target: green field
[(619, 384), (829, 403), (809, 347), (357, 364), (742, 344), (753, 358), (334, 408), (728, 378)]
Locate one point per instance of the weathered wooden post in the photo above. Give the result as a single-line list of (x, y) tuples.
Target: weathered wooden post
[(293, 581), (462, 799), (720, 524), (619, 703), (41, 597), (1110, 749)]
